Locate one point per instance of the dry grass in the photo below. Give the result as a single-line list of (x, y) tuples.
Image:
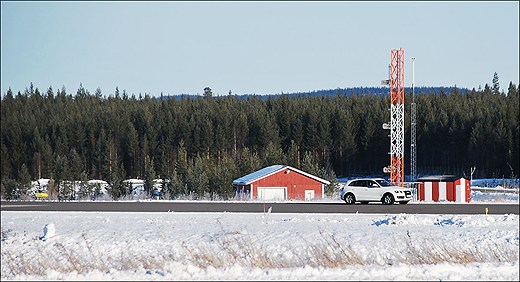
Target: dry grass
[(227, 249)]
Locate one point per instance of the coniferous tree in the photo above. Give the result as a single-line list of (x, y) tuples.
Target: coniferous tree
[(309, 164), (25, 183), (5, 161), (249, 162), (181, 165), (9, 188), (197, 178), (149, 175), (207, 93), (293, 157), (496, 84), (176, 186), (273, 154), (59, 173), (512, 91), (75, 170)]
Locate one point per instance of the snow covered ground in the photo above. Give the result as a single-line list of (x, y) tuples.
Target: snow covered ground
[(260, 246)]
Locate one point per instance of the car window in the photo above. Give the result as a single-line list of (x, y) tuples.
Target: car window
[(372, 184), (384, 183), (357, 183)]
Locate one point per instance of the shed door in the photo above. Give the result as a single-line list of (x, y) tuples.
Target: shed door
[(460, 194), (271, 193), (309, 195)]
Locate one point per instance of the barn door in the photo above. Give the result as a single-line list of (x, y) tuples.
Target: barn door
[(272, 193)]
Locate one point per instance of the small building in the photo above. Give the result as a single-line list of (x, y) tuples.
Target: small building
[(135, 186), (280, 182), (449, 188), (97, 188)]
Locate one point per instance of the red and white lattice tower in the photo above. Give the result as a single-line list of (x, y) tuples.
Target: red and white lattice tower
[(397, 117)]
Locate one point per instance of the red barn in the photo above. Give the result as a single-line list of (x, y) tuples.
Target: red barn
[(444, 188), (280, 182)]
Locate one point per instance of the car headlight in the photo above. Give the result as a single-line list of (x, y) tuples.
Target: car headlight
[(399, 192)]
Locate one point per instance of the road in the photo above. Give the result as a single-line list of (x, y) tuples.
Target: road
[(299, 207)]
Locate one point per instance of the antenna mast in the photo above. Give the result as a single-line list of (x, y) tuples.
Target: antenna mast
[(413, 144), (397, 117)]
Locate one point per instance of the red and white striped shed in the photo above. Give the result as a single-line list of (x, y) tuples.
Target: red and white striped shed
[(450, 188), (280, 182)]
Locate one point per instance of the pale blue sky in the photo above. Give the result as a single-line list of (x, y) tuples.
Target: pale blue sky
[(253, 47)]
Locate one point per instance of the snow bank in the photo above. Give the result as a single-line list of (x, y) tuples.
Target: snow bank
[(235, 246)]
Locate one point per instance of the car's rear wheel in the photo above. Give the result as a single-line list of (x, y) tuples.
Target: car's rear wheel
[(388, 199), (350, 199), (403, 202)]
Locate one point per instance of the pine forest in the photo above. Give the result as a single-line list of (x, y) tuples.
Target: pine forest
[(201, 144)]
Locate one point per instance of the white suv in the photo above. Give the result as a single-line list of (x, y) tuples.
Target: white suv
[(366, 190)]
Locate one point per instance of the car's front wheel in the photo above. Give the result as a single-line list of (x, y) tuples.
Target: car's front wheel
[(388, 199), (350, 199)]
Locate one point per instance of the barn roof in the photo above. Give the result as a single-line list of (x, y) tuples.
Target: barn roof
[(435, 178), (266, 171)]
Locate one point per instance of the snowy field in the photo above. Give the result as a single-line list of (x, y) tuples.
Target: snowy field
[(259, 246)]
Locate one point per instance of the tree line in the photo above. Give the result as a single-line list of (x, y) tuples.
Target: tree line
[(202, 144)]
